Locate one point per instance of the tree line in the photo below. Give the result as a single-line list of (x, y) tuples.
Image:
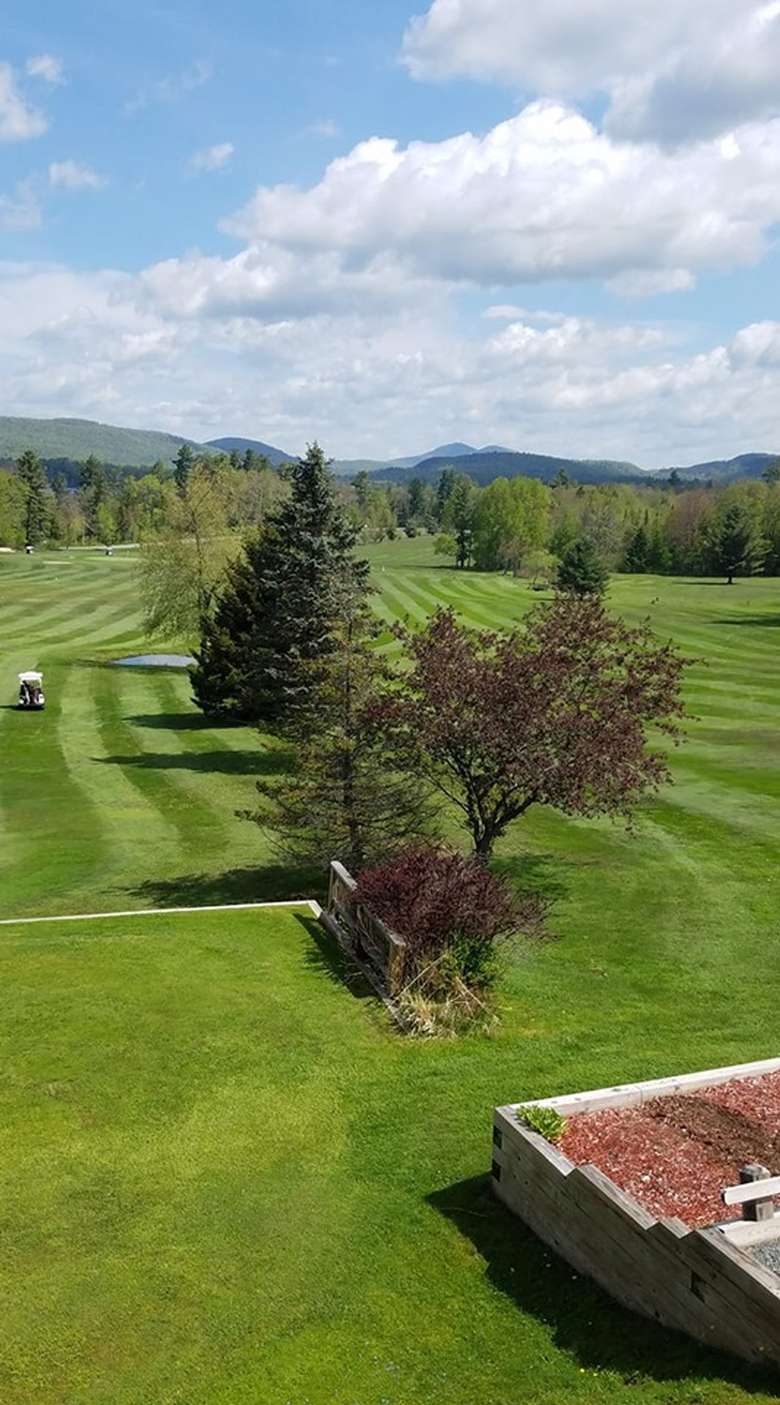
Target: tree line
[(103, 505), (519, 525)]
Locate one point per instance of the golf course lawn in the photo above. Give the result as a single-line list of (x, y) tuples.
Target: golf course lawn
[(225, 1178)]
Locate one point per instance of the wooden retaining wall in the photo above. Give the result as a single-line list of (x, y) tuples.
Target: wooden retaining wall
[(362, 932), (696, 1281)]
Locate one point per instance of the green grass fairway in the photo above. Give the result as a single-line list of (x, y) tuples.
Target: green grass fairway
[(226, 1180)]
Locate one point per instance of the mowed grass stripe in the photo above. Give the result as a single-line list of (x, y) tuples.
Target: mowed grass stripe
[(121, 694), (57, 839)]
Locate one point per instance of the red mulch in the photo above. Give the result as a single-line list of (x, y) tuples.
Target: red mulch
[(676, 1154)]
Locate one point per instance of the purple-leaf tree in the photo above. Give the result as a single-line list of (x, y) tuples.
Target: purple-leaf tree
[(557, 713)]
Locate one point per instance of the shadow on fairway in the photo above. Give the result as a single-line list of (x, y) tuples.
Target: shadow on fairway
[(276, 883), (227, 763), (546, 875), (583, 1320), (756, 621), (180, 722), (326, 956)]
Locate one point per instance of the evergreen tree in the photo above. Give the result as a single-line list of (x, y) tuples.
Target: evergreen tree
[(261, 651), (92, 485), (444, 490), (659, 555), (416, 497), (581, 572), (37, 497), (638, 553), (185, 462), (735, 546), (344, 799)]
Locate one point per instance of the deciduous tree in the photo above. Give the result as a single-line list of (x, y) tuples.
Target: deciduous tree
[(557, 713)]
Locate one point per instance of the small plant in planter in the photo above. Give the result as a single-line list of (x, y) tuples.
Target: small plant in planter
[(544, 1120), (454, 915)]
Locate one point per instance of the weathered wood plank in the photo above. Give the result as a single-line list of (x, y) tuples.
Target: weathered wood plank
[(634, 1094), (753, 1190)]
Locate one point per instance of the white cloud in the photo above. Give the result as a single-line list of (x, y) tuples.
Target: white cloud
[(190, 347), (671, 71), (212, 158), (20, 211), (72, 175), (645, 283), (47, 67), (18, 120), (541, 196), (170, 89), (325, 127)]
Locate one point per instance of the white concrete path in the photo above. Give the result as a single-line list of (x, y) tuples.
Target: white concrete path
[(313, 907)]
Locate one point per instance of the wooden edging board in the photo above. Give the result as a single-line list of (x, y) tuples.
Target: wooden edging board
[(634, 1094)]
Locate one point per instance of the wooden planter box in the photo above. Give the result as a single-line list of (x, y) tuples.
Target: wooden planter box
[(699, 1281)]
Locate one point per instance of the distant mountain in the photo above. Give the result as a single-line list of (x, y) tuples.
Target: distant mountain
[(486, 464), (349, 467), (724, 470), (228, 445), (77, 439)]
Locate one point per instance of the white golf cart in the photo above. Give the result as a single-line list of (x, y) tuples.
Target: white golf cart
[(31, 698)]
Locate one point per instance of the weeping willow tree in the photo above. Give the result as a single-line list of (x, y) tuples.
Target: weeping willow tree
[(183, 563)]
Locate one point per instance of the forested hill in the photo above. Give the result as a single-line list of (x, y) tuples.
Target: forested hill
[(231, 445), (77, 439), (484, 467), (724, 470)]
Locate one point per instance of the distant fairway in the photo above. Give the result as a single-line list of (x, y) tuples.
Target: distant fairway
[(228, 1180)]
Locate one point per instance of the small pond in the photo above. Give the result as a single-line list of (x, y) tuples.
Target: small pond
[(155, 661)]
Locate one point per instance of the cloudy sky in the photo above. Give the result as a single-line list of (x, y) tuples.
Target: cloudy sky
[(553, 226)]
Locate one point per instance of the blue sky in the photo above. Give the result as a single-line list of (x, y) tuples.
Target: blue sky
[(553, 227)]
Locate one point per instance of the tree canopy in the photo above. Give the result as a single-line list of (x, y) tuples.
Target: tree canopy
[(557, 713)]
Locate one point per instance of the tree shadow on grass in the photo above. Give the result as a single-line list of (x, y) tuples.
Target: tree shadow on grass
[(181, 722), (276, 883), (546, 875), (757, 621), (226, 763), (325, 955), (583, 1319)]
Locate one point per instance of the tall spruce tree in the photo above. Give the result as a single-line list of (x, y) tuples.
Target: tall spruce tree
[(581, 571), (344, 798), (37, 498), (262, 649), (185, 462), (735, 546), (638, 552)]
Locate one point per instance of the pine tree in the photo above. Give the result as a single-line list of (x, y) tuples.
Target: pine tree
[(37, 497), (659, 554), (92, 486), (344, 799), (261, 651), (581, 572), (185, 462), (444, 491), (637, 553), (735, 546)]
